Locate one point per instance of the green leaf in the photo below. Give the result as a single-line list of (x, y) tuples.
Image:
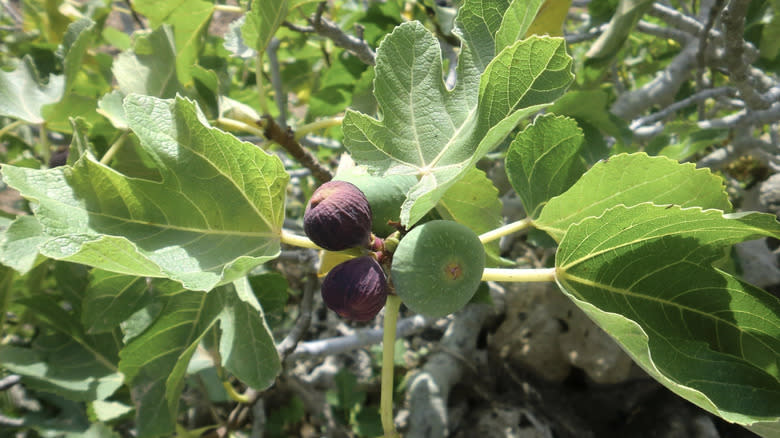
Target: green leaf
[(111, 298), (438, 134), (473, 201), (23, 94), (78, 38), (62, 366), (189, 20), (216, 214), (543, 160), (645, 275), (592, 106), (156, 362), (19, 243), (516, 21), (770, 33), (478, 21), (150, 68), (261, 23), (632, 179), (606, 47)]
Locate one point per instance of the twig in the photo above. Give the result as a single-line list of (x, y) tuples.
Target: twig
[(286, 138), (590, 34), (429, 389), (295, 335), (734, 22), (276, 82), (360, 339), (9, 381), (703, 40), (701, 96), (661, 89), (12, 12), (328, 29), (663, 32)]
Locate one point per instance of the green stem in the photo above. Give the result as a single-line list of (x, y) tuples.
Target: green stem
[(259, 80), (113, 149), (518, 275), (316, 126), (235, 396), (505, 230), (237, 125), (44, 142), (388, 365), (9, 127), (296, 240), (229, 8)]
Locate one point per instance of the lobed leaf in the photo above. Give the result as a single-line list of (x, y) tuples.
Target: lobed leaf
[(439, 134), (645, 274), (631, 179), (217, 212)]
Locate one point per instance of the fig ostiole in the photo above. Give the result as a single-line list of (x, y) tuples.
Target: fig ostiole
[(356, 289), (338, 217), (437, 267)]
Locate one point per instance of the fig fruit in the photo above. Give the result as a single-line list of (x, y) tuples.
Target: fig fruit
[(437, 267), (356, 289), (338, 217), (385, 194)]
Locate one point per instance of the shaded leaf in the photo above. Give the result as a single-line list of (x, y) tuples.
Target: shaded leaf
[(473, 201), (543, 160), (632, 179), (645, 275), (19, 243), (156, 361), (62, 366), (111, 298)]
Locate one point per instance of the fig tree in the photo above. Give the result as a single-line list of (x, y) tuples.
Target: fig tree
[(437, 267), (338, 217), (356, 289)]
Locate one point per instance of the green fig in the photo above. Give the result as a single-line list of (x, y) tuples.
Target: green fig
[(437, 267)]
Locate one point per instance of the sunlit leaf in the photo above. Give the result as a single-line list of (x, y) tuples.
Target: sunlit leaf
[(645, 275), (23, 94), (216, 214), (632, 179), (438, 134), (189, 20)]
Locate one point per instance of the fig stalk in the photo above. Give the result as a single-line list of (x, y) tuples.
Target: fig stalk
[(392, 307)]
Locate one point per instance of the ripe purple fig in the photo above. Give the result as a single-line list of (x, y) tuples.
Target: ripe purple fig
[(356, 289), (338, 217)]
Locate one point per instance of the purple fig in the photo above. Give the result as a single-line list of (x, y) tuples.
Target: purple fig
[(338, 217), (356, 289)]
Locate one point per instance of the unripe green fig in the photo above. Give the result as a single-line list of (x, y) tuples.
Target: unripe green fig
[(338, 217), (385, 195), (356, 289), (437, 267)]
